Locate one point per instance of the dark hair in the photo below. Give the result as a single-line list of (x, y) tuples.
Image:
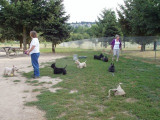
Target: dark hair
[(33, 34)]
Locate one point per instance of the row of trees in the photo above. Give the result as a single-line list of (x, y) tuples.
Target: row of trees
[(79, 33), (140, 18), (137, 18), (106, 26), (19, 17)]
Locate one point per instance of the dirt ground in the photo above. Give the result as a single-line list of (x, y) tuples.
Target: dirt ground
[(13, 95)]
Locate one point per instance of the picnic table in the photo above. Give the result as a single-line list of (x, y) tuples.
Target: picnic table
[(9, 50)]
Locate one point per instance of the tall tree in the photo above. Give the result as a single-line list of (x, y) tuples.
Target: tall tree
[(18, 17), (140, 18), (107, 24), (55, 28)]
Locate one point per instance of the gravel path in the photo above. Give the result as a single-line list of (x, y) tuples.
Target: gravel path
[(13, 95)]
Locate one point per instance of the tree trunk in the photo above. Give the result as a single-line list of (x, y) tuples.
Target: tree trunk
[(143, 46), (155, 45), (124, 45), (21, 42), (24, 38), (53, 47)]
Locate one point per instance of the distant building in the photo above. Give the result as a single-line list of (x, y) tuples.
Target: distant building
[(83, 24)]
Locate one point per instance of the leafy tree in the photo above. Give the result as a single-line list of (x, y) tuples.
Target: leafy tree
[(140, 18), (19, 17), (93, 31), (79, 33)]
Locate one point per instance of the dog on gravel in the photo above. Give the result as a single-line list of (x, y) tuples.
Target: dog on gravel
[(105, 59), (98, 57), (80, 65), (10, 71), (118, 91), (59, 70)]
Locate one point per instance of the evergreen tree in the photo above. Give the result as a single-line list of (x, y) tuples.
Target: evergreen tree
[(107, 25), (55, 28)]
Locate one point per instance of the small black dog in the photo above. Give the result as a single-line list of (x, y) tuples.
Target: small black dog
[(98, 57), (111, 68), (105, 59), (59, 70)]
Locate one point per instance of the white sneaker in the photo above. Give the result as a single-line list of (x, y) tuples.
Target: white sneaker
[(117, 60)]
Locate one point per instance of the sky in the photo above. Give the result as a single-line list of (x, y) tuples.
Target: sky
[(88, 10)]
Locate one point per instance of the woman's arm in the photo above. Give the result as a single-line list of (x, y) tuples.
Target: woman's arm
[(30, 49)]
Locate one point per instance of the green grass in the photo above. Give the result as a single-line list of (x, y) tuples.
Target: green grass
[(140, 81), (36, 90), (16, 81), (34, 81), (63, 50)]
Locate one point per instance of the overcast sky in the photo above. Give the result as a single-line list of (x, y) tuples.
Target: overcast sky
[(88, 10)]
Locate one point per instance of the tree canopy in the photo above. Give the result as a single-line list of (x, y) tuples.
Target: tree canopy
[(55, 28), (107, 25), (19, 17), (140, 18)]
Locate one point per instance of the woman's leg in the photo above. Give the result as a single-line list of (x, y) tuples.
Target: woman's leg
[(35, 64), (117, 52), (114, 54)]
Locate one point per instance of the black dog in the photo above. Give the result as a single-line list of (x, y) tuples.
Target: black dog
[(111, 68), (59, 70), (105, 59), (98, 57)]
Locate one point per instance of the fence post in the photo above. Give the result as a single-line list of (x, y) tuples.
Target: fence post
[(155, 49), (155, 55)]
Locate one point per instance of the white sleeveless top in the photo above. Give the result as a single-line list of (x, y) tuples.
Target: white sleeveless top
[(116, 45)]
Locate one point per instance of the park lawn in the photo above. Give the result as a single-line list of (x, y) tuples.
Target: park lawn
[(140, 82), (63, 50)]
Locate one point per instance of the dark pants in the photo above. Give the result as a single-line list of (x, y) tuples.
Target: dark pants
[(35, 64)]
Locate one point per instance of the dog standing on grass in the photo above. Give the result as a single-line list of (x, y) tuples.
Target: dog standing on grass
[(10, 71), (59, 70), (81, 65), (112, 69)]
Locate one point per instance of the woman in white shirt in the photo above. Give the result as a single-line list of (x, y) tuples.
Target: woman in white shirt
[(35, 53), (116, 46)]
